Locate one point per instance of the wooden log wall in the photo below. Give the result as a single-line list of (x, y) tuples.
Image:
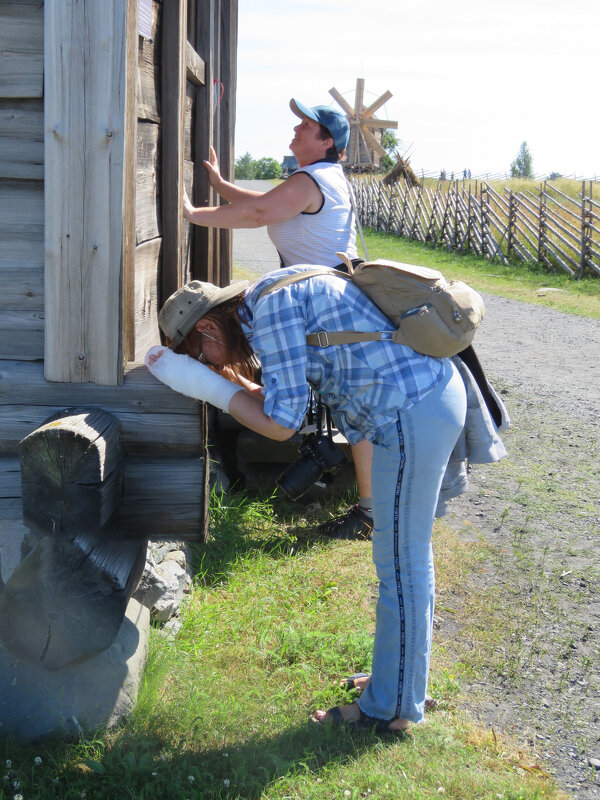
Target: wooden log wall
[(21, 180), (161, 433), (165, 479), (545, 227)]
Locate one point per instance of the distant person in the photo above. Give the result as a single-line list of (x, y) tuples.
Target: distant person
[(464, 174), (309, 219)]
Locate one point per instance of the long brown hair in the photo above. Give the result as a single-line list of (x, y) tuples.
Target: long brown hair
[(239, 356)]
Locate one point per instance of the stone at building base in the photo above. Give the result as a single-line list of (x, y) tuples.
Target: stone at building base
[(36, 703)]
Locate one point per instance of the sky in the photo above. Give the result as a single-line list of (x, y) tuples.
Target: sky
[(471, 79)]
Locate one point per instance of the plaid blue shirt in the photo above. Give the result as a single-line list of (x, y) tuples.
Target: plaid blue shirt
[(364, 384)]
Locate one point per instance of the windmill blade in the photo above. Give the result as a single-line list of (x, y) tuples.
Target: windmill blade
[(378, 123), (348, 110), (372, 141), (368, 112)]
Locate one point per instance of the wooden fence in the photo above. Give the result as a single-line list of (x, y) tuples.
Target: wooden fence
[(545, 227)]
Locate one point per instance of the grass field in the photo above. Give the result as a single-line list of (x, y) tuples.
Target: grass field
[(275, 618)]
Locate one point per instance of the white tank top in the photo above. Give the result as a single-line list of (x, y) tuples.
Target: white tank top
[(315, 238)]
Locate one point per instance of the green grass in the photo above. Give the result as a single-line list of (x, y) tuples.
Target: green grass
[(516, 281), (276, 616)]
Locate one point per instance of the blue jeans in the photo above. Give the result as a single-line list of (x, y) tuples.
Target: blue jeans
[(408, 467)]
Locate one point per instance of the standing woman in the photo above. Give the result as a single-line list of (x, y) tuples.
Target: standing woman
[(410, 406), (309, 219)]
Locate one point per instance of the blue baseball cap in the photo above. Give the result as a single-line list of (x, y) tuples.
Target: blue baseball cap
[(335, 122)]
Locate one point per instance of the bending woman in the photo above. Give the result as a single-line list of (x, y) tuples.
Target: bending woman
[(309, 219), (410, 406)]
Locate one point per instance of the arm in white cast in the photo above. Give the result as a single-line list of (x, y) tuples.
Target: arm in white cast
[(188, 376)]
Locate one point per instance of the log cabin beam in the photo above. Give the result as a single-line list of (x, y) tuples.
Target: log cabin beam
[(88, 161)]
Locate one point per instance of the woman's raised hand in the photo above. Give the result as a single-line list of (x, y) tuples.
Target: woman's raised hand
[(212, 167)]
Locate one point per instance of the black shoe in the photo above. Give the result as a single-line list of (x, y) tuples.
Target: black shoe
[(353, 524)]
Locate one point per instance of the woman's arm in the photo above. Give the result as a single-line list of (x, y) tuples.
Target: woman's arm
[(190, 377), (299, 193), (248, 409)]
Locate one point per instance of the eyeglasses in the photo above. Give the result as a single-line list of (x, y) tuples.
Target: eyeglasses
[(212, 338)]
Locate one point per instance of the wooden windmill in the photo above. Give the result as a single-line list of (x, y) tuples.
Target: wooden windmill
[(364, 148)]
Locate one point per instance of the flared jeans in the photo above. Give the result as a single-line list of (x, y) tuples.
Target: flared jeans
[(408, 466)]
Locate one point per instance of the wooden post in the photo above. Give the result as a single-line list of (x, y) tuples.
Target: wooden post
[(174, 37), (511, 224), (66, 600), (88, 161), (205, 244), (586, 233)]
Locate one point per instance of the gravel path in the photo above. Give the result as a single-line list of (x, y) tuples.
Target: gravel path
[(540, 511), (542, 514)]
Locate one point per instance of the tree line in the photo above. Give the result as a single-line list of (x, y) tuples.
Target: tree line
[(248, 168)]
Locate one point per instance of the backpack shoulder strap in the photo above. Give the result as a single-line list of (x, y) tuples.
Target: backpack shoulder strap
[(323, 338), (301, 276)]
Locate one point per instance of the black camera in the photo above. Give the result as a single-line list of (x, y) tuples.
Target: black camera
[(321, 459)]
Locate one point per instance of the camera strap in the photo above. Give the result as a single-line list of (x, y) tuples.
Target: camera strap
[(322, 412)]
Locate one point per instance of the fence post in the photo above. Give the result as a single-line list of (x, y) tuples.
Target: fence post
[(485, 219), (511, 223), (586, 233), (543, 232)]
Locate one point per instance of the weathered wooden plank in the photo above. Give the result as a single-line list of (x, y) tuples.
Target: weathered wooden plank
[(21, 223), (164, 434), (10, 477), (147, 260), (226, 117), (22, 289), (129, 188), (205, 239), (21, 335), (10, 508), (187, 230), (147, 211), (141, 392), (148, 74), (173, 101), (195, 68), (85, 151), (190, 96), (162, 497), (22, 139), (21, 49)]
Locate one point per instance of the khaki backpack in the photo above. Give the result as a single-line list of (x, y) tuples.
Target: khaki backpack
[(431, 315)]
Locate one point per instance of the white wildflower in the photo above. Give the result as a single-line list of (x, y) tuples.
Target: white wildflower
[(227, 783), (18, 797), (37, 761), (191, 779), (347, 793), (16, 785), (441, 790), (225, 755)]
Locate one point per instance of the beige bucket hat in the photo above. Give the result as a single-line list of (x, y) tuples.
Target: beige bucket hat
[(190, 303)]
